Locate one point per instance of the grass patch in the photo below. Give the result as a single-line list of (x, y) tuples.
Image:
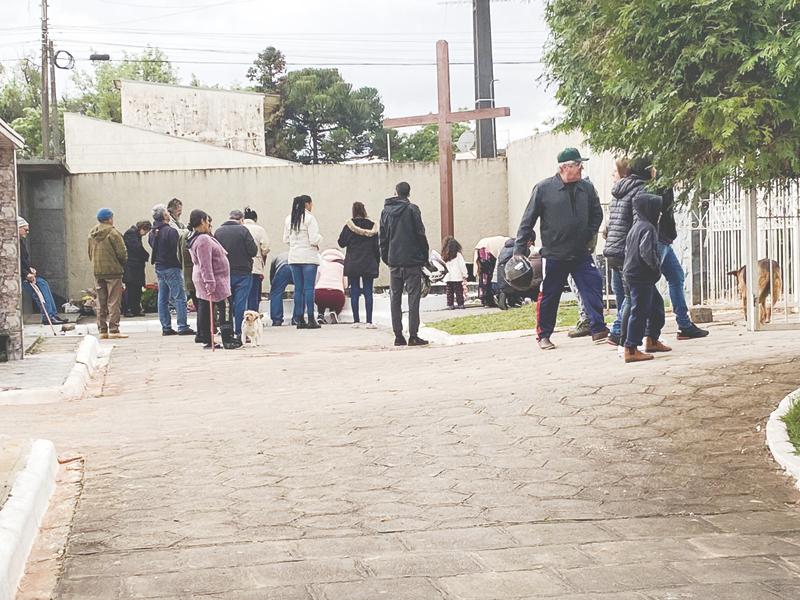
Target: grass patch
[(516, 319), (792, 421)]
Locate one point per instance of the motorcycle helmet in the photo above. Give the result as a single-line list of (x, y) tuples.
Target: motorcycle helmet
[(519, 273)]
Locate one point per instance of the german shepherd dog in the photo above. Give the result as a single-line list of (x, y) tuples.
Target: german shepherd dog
[(769, 282)]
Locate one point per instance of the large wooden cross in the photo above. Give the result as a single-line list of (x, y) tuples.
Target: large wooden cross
[(445, 118)]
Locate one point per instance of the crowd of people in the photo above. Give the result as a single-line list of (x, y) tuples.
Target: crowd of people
[(221, 270)]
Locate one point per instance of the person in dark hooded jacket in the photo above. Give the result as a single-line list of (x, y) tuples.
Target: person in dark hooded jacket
[(641, 271), (362, 259), (133, 278), (404, 247)]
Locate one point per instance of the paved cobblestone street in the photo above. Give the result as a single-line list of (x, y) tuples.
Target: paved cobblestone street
[(328, 466)]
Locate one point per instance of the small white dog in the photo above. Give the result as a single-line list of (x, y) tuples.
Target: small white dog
[(252, 327)]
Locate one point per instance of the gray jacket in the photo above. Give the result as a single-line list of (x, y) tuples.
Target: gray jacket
[(570, 216)]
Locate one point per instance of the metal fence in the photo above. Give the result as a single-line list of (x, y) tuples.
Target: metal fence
[(718, 246)]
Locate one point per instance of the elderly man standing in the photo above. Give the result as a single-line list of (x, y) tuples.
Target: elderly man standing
[(569, 210), (108, 255), (164, 242), (241, 248)]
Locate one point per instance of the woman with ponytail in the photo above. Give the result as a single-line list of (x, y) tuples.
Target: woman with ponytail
[(301, 232)]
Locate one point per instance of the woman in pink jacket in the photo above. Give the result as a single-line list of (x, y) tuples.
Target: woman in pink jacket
[(211, 277)]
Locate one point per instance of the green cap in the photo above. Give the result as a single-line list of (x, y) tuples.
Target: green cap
[(570, 155)]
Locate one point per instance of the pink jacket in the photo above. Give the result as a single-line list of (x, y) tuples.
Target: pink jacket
[(330, 275), (212, 272)]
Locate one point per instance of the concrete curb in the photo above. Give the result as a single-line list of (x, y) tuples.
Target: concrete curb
[(88, 358), (22, 514), (783, 451)]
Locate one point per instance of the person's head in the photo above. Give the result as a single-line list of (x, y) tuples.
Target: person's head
[(642, 167), (160, 213), (105, 215), (175, 208), (403, 189), (450, 248), (22, 227), (359, 211), (143, 227), (300, 205), (199, 221), (570, 165), (236, 215), (622, 168), (249, 213)]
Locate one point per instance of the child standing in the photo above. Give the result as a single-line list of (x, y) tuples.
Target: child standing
[(641, 271), (457, 274)]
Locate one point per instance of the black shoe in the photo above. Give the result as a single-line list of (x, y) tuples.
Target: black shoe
[(600, 336), (301, 325), (188, 331), (613, 340), (140, 314), (399, 340), (417, 341), (167, 332), (692, 333), (128, 315), (201, 340), (278, 323), (208, 347), (579, 332), (58, 320), (313, 325)]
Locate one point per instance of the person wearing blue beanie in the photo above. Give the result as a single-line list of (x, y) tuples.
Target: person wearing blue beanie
[(108, 255), (105, 214)]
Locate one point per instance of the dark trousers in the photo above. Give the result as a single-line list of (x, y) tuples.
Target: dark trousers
[(486, 264), (654, 317), (254, 299), (133, 296), (204, 333), (590, 286), (455, 288), (358, 286), (646, 318), (410, 279)]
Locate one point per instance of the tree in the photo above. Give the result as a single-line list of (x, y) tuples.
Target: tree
[(20, 103), (710, 88), (99, 96), (421, 145), (267, 70)]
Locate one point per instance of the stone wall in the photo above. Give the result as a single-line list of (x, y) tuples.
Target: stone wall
[(10, 280)]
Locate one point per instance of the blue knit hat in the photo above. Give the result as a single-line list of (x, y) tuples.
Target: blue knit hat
[(104, 214)]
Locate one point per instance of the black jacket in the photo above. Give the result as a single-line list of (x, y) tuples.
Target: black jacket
[(570, 216), (164, 242), (667, 230), (620, 218), (240, 245), (360, 237), (402, 237), (642, 259), (24, 258), (137, 255)]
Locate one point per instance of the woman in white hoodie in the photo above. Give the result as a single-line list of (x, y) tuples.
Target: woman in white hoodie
[(329, 290), (301, 232)]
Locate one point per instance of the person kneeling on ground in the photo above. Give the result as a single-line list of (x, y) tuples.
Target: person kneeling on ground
[(330, 284), (641, 270), (108, 255), (280, 276)]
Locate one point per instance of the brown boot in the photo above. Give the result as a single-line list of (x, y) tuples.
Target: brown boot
[(651, 345), (633, 355)]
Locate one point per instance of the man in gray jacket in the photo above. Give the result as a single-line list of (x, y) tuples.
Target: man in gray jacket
[(569, 212), (241, 248)]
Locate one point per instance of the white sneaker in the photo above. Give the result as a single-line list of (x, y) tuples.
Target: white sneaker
[(356, 325), (621, 351), (371, 326)]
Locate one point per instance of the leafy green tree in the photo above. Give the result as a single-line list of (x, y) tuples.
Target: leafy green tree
[(99, 96), (20, 102), (421, 145), (710, 88), (267, 70)]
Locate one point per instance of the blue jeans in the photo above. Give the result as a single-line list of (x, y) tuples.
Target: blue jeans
[(171, 291), (49, 307), (647, 314), (589, 283), (356, 289), (240, 291), (619, 295), (254, 298), (673, 272), (283, 277), (304, 277)]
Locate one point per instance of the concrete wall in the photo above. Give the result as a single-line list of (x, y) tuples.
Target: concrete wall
[(480, 199), (93, 145), (532, 159), (222, 118)]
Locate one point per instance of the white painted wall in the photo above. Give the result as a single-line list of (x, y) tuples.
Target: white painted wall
[(228, 119), (93, 145)]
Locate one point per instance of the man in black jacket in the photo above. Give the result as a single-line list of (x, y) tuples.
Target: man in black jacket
[(133, 278), (241, 248), (570, 214), (30, 278), (404, 248)]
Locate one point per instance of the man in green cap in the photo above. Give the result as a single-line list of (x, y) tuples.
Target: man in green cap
[(569, 212)]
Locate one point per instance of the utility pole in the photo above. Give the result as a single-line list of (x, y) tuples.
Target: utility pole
[(45, 86), (56, 134), (484, 76)]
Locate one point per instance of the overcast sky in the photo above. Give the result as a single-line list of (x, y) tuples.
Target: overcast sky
[(195, 34)]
